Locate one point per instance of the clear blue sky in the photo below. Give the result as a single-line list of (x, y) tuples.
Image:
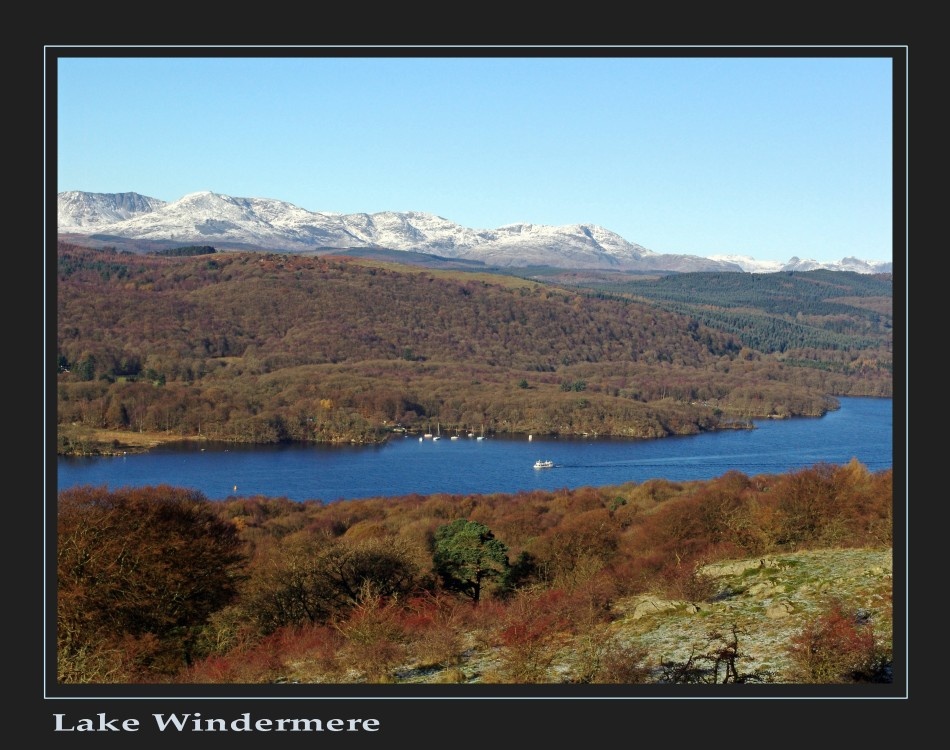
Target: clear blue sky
[(771, 157)]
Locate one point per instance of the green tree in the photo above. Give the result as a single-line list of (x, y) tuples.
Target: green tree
[(467, 555)]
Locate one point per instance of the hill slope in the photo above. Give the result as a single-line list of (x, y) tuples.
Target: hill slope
[(258, 347), (761, 605)]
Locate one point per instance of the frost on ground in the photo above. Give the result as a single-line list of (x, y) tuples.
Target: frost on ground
[(760, 604)]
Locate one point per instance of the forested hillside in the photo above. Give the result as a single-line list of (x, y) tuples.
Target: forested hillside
[(255, 347), (811, 316)]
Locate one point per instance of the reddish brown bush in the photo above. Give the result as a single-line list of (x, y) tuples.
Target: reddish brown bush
[(435, 627), (141, 570), (533, 630), (839, 646), (622, 664), (375, 639)]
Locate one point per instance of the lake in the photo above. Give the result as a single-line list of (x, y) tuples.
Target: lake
[(862, 428)]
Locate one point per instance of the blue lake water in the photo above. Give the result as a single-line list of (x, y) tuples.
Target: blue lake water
[(862, 429)]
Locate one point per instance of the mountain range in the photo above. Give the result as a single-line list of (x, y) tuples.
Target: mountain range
[(135, 222)]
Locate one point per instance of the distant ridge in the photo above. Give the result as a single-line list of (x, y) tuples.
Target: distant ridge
[(138, 223)]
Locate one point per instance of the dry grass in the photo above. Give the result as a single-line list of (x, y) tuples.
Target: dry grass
[(117, 442)]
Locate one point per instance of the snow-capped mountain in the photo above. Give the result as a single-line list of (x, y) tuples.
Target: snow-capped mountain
[(228, 223), (856, 265), (97, 209)]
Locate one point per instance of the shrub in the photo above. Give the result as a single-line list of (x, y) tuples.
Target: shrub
[(375, 637), (839, 646), (139, 571), (622, 664)]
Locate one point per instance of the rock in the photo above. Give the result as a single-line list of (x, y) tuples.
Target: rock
[(779, 610)]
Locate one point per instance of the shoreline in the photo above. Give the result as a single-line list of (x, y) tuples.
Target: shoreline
[(99, 442)]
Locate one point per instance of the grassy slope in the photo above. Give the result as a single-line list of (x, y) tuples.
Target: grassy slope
[(769, 600)]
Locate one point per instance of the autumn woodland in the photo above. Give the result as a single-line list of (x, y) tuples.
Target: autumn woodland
[(161, 585), (263, 348)]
